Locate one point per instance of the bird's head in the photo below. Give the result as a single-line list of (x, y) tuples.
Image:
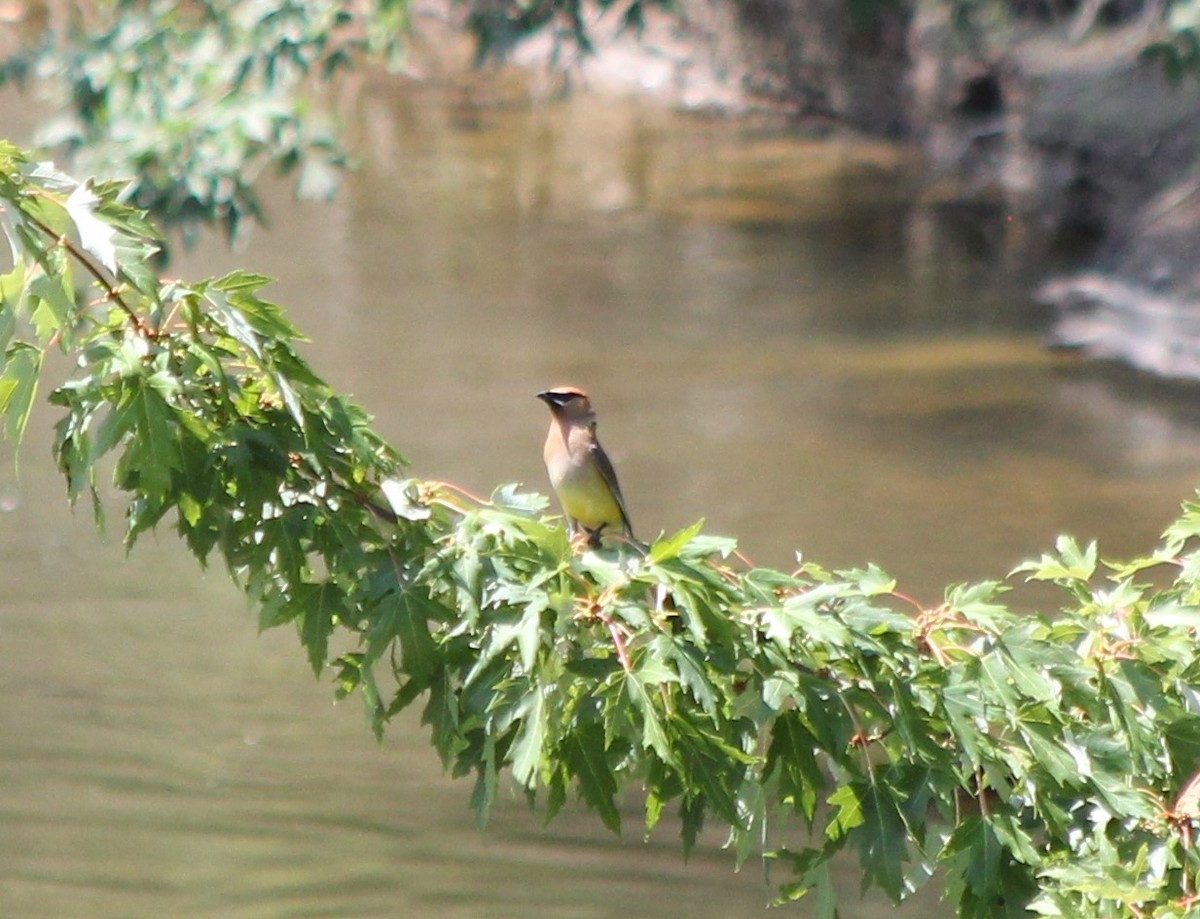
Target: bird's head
[(567, 403)]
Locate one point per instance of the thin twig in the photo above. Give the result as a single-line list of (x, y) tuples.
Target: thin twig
[(111, 291), (618, 639)]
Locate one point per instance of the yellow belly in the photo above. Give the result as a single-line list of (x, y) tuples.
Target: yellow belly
[(586, 498)]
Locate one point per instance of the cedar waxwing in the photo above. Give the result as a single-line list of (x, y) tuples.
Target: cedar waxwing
[(580, 471)]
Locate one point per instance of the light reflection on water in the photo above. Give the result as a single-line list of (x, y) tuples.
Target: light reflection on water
[(777, 340)]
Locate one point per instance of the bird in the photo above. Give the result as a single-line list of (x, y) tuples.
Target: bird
[(580, 471)]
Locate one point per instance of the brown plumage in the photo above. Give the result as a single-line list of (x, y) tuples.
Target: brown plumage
[(580, 471)]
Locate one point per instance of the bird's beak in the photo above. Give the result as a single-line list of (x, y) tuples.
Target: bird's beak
[(551, 398)]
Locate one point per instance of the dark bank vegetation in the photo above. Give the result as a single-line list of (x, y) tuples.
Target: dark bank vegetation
[(195, 102)]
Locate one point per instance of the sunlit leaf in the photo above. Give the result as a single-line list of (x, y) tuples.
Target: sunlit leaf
[(666, 548), (404, 499), (872, 582), (1173, 615), (527, 749), (18, 387), (95, 235)]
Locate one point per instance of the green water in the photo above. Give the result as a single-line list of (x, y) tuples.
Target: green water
[(777, 338)]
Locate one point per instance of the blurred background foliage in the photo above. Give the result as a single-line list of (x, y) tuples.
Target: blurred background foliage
[(197, 101)]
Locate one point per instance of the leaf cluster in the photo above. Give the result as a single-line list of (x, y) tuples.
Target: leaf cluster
[(1045, 763), (197, 100)]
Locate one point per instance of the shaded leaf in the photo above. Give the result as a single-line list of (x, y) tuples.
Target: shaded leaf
[(18, 388)]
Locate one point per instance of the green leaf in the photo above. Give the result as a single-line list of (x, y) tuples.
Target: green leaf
[(95, 235), (511, 498), (692, 811), (404, 617), (321, 604), (583, 752), (691, 669), (526, 751), (807, 613), (977, 854), (792, 761), (1182, 736), (441, 713), (873, 582), (1050, 753), (978, 601), (847, 813), (704, 546), (1070, 564), (1173, 615), (52, 297), (665, 548), (811, 869), (881, 838), (653, 734), (403, 497), (157, 452), (484, 794), (12, 298), (18, 387)]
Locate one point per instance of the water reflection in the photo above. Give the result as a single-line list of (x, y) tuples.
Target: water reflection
[(777, 339)]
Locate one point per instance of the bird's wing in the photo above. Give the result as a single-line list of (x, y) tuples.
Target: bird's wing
[(610, 479)]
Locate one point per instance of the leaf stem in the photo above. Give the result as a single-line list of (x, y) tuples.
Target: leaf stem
[(110, 290)]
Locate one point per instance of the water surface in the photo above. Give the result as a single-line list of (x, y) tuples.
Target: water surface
[(778, 340)]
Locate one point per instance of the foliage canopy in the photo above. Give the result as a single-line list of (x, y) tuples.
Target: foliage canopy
[(197, 101), (1035, 762)]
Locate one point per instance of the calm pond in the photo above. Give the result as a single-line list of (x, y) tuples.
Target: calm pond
[(777, 338)]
